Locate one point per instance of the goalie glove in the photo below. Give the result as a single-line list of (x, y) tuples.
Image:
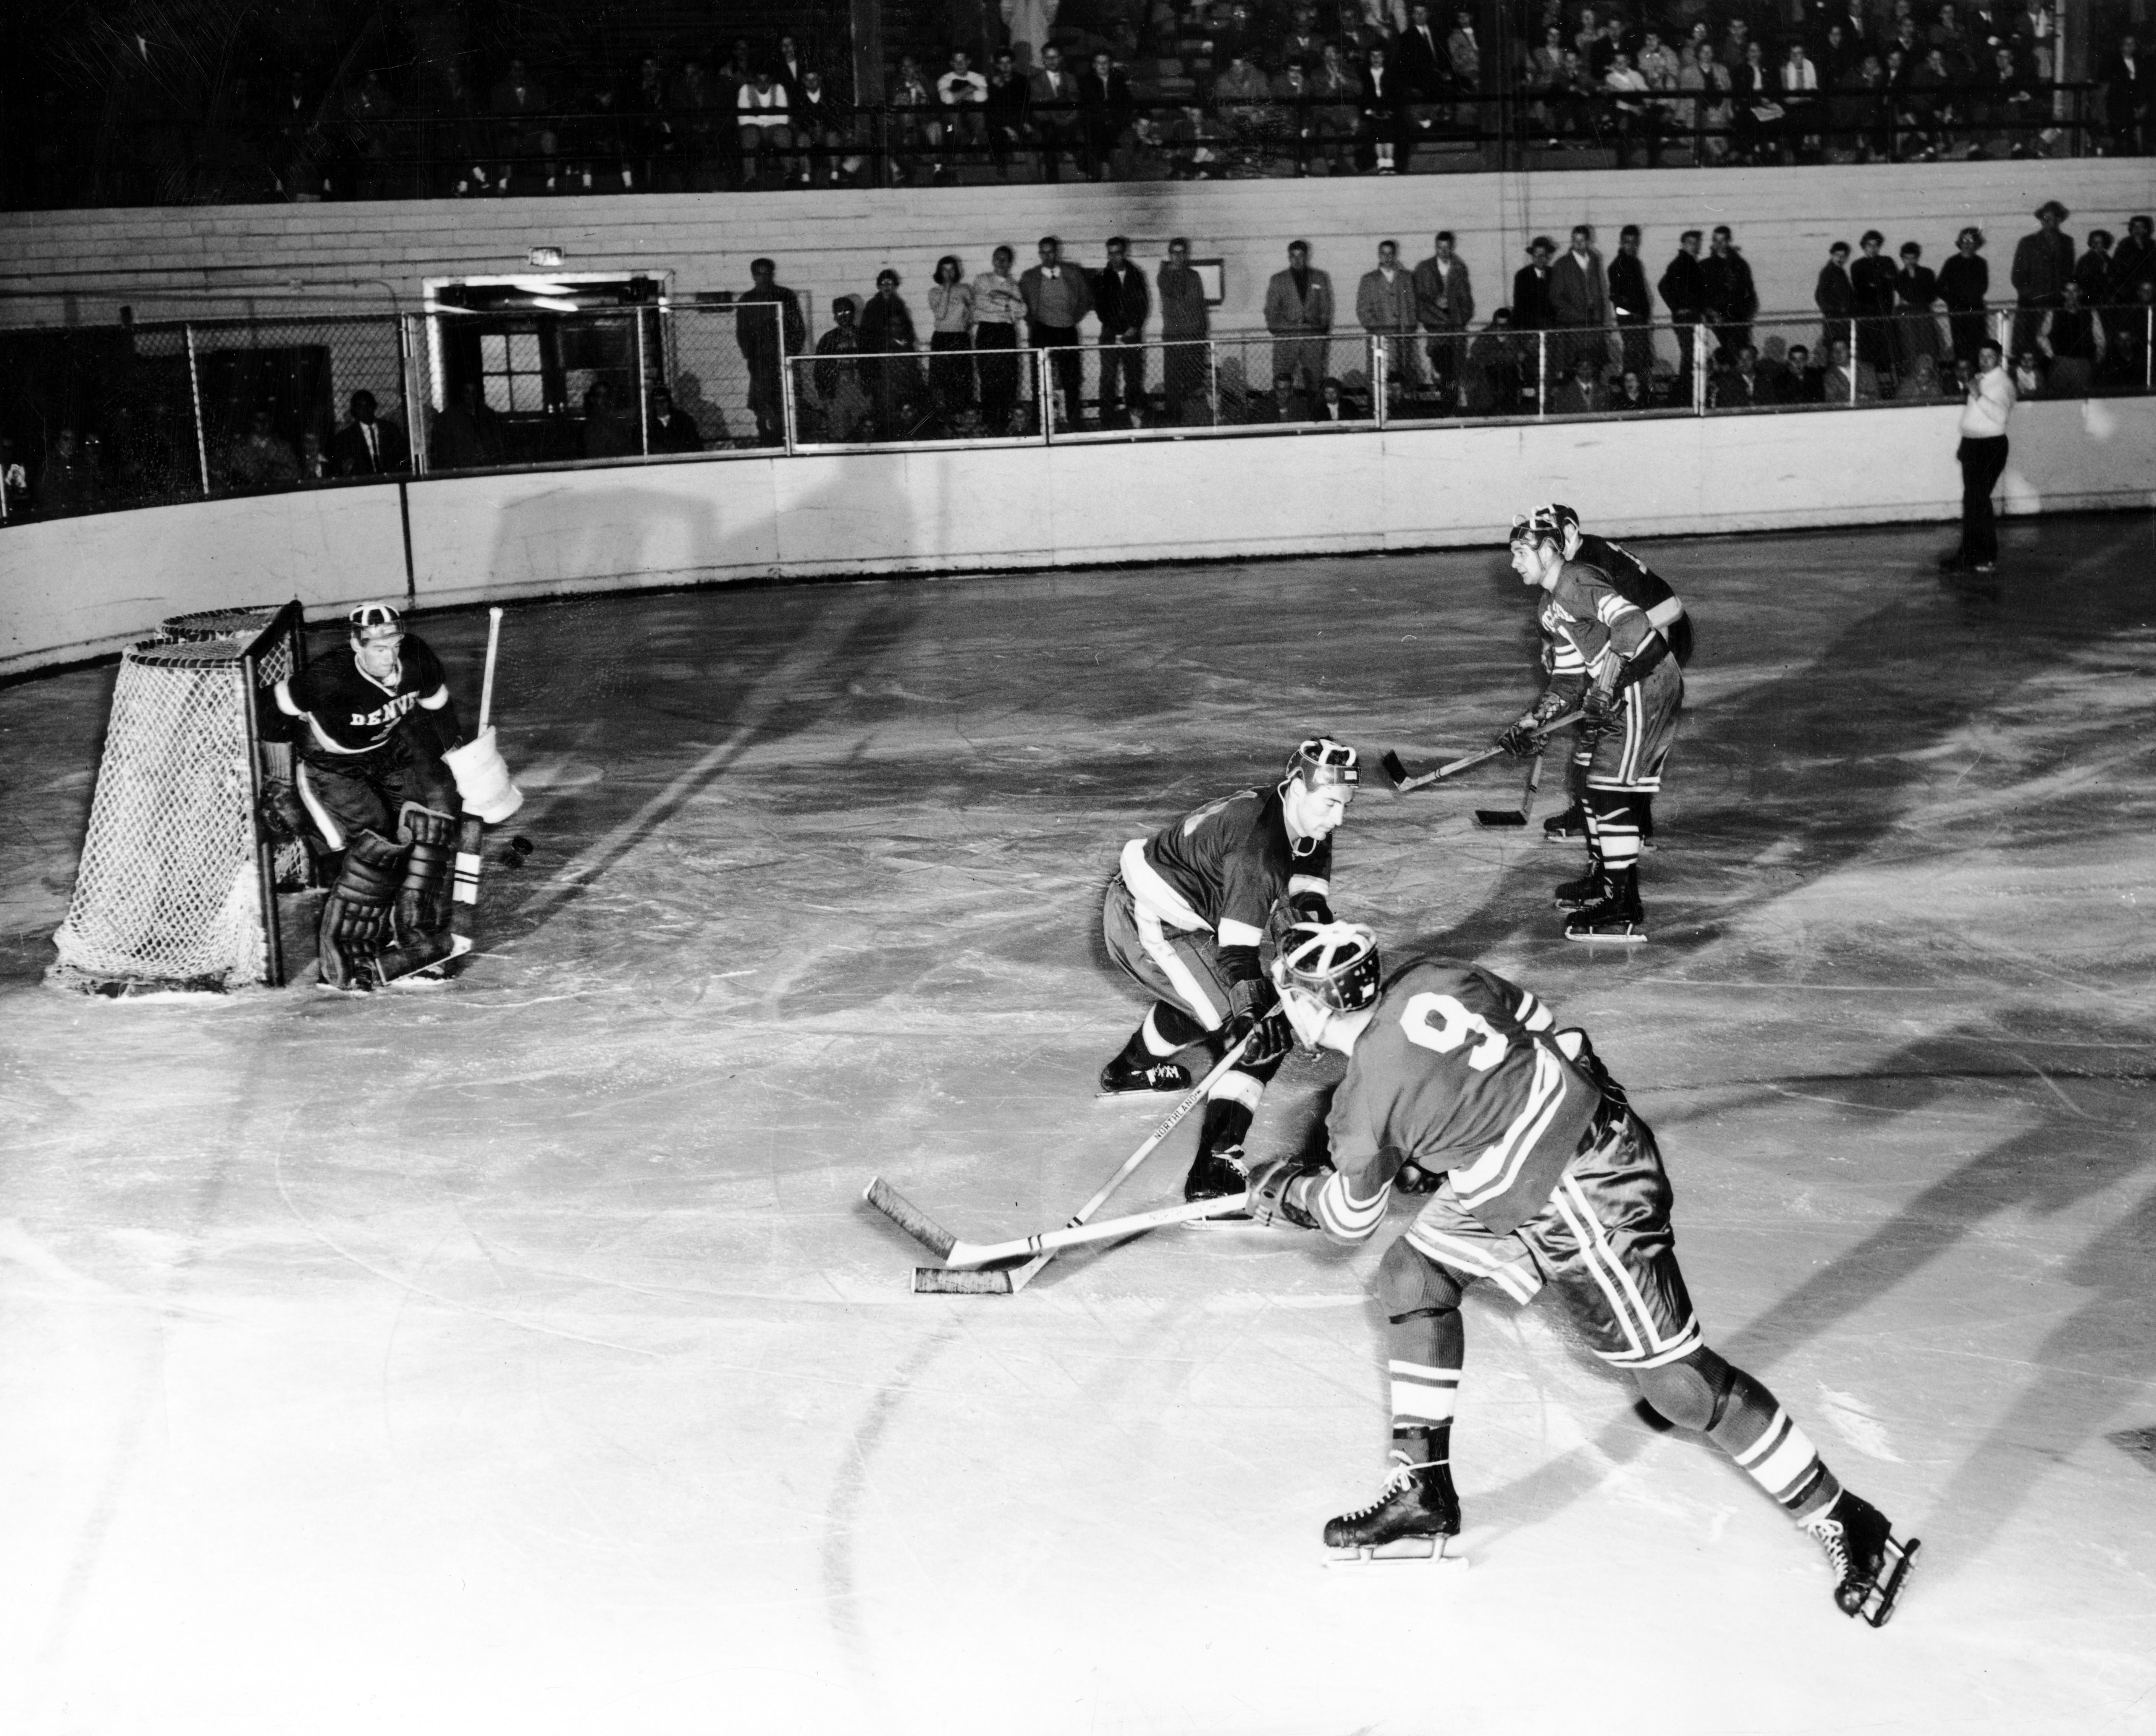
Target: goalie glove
[(1285, 1188), (283, 816)]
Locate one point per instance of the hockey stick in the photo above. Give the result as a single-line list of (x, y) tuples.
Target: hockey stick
[(471, 830), (941, 1281), (967, 1254), (1493, 818), (1398, 773)]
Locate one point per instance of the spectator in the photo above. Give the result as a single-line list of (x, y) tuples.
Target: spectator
[(668, 429), (1838, 387), (1384, 101), (962, 99), (2134, 263), (1299, 314), (1010, 105), (1055, 113), (893, 377), (1835, 296), (315, 468), (997, 306), (1465, 52), (1057, 297), (1185, 325), (467, 432), (2094, 271), (1806, 383), (765, 342), (702, 149), (152, 460), (528, 141), (1578, 302), (1632, 397), (823, 127), (1197, 151), (1444, 305), (1122, 303), (1029, 23), (1242, 97), (1337, 93), (366, 446), (1800, 99), (1631, 306), (1756, 117), (1104, 114), (2072, 343), (1709, 81), (1530, 288), (837, 375), (14, 480), (1425, 72), (1296, 99), (1494, 381), (1964, 281), (67, 480), (765, 133), (1916, 291), (1920, 384), (1637, 118), (1872, 286), (1726, 291), (1302, 46), (259, 459), (659, 145), (1385, 307), (950, 341), (1683, 290), (609, 430), (2126, 84), (1291, 401), (912, 121), (2043, 265), (1579, 393)]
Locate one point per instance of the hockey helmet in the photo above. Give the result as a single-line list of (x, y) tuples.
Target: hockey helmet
[(1321, 760), (1335, 964), (374, 621), (1552, 523)]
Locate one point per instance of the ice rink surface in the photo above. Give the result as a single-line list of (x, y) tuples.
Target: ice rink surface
[(518, 1357)]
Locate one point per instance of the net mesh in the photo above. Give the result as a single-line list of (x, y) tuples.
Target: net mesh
[(168, 890)]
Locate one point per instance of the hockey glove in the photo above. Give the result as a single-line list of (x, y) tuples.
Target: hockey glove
[(1285, 1188), (1311, 907), (1520, 740), (284, 817), (1598, 705), (1253, 1005)]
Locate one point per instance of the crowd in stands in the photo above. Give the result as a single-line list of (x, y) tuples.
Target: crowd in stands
[(1182, 89), (1580, 333)]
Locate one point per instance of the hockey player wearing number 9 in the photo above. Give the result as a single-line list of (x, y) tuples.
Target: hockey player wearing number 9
[(1185, 916), (1552, 1185), (374, 718)]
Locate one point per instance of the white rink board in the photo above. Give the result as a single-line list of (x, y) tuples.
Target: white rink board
[(77, 588)]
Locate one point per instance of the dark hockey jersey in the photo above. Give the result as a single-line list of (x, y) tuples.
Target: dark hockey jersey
[(1644, 589), (1224, 868), (348, 711), (1460, 1070)]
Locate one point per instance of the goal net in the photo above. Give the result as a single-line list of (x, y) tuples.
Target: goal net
[(177, 884)]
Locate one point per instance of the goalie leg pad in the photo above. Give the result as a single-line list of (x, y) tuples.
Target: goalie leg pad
[(356, 914), (422, 905)]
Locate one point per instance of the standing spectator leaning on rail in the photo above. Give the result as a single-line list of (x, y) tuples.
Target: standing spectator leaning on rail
[(1631, 306), (950, 341), (1982, 454), (1964, 281), (1444, 305), (1385, 307), (1185, 327), (2043, 266), (1580, 305), (997, 307), (1299, 314), (766, 340), (1683, 290), (1726, 283), (1122, 303), (1057, 297)]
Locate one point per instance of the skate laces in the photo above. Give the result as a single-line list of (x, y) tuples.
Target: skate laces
[(1399, 1481), (1833, 1537)]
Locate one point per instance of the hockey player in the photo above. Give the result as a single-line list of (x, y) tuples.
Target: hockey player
[(1605, 658), (1185, 916), (375, 716), (1551, 1183), (1647, 591)]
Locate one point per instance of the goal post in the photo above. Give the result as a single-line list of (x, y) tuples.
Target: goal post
[(178, 880)]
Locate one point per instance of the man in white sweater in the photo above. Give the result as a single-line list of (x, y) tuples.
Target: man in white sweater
[(1982, 455)]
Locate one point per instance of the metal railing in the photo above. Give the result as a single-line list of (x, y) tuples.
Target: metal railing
[(1209, 133), (96, 419)]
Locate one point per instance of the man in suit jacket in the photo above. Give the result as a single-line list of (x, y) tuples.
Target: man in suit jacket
[(1579, 302), (365, 447), (1444, 304), (1299, 314), (1530, 288), (1104, 108), (1385, 307), (1425, 71), (1054, 112)]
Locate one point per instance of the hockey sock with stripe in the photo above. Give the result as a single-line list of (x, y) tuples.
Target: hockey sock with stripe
[(1612, 830), (1751, 1426), (1166, 1030), (1424, 1353), (1227, 1118)]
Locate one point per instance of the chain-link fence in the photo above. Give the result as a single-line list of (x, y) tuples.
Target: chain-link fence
[(96, 419)]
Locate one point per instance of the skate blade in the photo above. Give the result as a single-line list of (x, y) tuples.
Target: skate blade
[(1637, 937), (1879, 1597), (1431, 1550)]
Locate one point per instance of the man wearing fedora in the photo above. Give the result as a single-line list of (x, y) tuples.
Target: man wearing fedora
[(2043, 267)]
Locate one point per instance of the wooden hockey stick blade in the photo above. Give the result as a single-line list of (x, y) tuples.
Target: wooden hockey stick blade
[(1389, 762), (1492, 818), (909, 1218), (941, 1281), (970, 1254)]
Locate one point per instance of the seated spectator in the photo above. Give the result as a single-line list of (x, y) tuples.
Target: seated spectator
[(1055, 120), (1242, 98), (1806, 384), (467, 432), (1007, 111), (259, 459), (314, 468), (1104, 115), (609, 431), (14, 480), (1632, 396), (766, 134), (1920, 384), (1637, 119), (366, 446), (1839, 386), (962, 99), (2029, 375), (823, 127), (1337, 93), (670, 429), (1291, 401), (1332, 405), (1734, 385), (1196, 150), (1580, 393), (67, 480), (1496, 380), (2128, 86)]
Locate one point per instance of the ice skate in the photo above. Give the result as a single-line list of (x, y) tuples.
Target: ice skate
[(1590, 889), (1414, 1514), (1215, 1175), (1870, 1564), (1618, 918), (1123, 1077), (1565, 828)]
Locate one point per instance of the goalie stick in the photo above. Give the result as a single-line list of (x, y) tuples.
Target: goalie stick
[(1493, 818), (941, 1281), (958, 1253), (1398, 773)]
